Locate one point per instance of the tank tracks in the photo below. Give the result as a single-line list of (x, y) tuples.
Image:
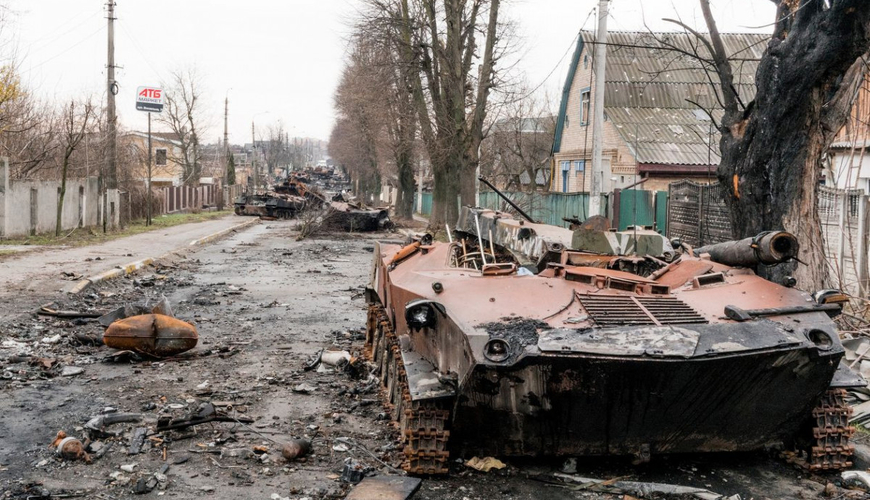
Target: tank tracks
[(421, 424), (831, 431)]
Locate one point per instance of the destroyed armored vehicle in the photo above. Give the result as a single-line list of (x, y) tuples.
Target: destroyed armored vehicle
[(525, 339), (270, 204), (347, 213), (284, 201)]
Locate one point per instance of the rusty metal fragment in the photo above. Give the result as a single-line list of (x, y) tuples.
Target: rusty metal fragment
[(152, 334)]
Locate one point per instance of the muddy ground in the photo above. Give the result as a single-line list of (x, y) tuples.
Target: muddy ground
[(263, 304)]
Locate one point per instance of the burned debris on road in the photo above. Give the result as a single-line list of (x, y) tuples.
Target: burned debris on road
[(277, 399)]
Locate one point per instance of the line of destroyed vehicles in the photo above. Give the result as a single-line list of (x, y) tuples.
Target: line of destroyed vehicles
[(306, 191), (516, 338)]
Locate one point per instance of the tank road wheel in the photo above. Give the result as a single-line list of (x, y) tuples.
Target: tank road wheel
[(422, 425), (829, 432)]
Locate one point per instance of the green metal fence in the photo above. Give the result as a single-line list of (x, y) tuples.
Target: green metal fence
[(636, 208), (662, 212), (427, 204), (549, 208)]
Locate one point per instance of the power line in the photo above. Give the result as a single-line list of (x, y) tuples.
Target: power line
[(561, 59), (71, 47), (68, 31)]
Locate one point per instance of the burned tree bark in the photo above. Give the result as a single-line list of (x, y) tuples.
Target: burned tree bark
[(772, 147)]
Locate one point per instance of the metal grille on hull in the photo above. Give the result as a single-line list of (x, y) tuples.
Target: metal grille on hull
[(618, 310)]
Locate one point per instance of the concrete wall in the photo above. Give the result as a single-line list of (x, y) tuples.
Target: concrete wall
[(30, 207)]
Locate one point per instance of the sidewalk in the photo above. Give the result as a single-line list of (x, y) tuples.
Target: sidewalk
[(41, 271)]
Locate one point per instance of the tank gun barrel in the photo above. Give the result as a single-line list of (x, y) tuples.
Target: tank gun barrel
[(508, 200), (771, 247)]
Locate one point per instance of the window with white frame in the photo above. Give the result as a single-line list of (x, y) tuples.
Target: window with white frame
[(585, 95)]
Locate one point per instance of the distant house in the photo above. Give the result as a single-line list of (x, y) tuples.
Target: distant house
[(165, 171), (518, 149), (657, 106), (848, 165)]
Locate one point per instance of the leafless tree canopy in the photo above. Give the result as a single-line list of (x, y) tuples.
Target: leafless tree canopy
[(440, 61), (183, 116)]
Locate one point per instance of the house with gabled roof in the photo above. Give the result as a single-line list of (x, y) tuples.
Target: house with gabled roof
[(660, 109)]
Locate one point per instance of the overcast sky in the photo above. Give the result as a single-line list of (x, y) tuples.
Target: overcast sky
[(281, 59)]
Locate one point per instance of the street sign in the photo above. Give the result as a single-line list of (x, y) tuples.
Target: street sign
[(149, 99)]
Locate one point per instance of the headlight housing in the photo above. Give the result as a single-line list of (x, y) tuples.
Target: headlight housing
[(421, 313)]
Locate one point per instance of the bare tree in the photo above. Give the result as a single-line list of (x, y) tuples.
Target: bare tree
[(74, 121), (443, 39), (517, 147), (182, 114), (442, 57), (277, 151), (772, 147)]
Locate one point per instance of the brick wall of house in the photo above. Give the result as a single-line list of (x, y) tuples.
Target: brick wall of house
[(577, 138)]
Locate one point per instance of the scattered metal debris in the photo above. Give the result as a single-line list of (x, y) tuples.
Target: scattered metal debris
[(385, 488)]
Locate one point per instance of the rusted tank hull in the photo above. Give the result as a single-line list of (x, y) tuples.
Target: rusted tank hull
[(570, 405)]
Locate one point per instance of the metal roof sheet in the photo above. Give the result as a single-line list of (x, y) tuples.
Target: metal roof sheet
[(663, 135), (651, 79)]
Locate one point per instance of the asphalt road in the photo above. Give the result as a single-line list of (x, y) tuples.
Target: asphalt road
[(263, 303), (39, 271)]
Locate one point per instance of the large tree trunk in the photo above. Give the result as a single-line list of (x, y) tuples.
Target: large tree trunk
[(772, 149), (62, 194), (405, 199)]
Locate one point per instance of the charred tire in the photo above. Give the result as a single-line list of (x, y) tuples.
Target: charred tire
[(421, 424)]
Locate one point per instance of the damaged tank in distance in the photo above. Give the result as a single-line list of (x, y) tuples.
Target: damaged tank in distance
[(284, 201), (525, 339)]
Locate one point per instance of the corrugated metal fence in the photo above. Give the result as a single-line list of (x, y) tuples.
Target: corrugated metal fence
[(549, 208), (843, 215), (180, 198), (697, 213)]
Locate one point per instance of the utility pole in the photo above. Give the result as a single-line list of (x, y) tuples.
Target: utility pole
[(148, 220), (254, 158), (112, 119), (598, 65), (224, 180)]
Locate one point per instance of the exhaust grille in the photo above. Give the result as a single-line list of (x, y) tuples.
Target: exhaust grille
[(618, 310)]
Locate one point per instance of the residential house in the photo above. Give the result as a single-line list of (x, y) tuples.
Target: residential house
[(658, 103), (166, 148), (848, 165), (516, 150)]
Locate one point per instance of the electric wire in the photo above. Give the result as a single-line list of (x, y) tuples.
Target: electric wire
[(71, 47)]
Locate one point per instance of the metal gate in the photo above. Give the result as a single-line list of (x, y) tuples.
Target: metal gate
[(697, 213)]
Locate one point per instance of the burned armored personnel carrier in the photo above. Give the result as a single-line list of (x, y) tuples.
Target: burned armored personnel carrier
[(269, 204), (524, 339), (284, 201)]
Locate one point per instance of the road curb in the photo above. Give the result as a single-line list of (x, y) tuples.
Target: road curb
[(134, 266), (220, 234)]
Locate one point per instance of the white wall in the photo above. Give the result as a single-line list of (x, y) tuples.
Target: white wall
[(26, 206)]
